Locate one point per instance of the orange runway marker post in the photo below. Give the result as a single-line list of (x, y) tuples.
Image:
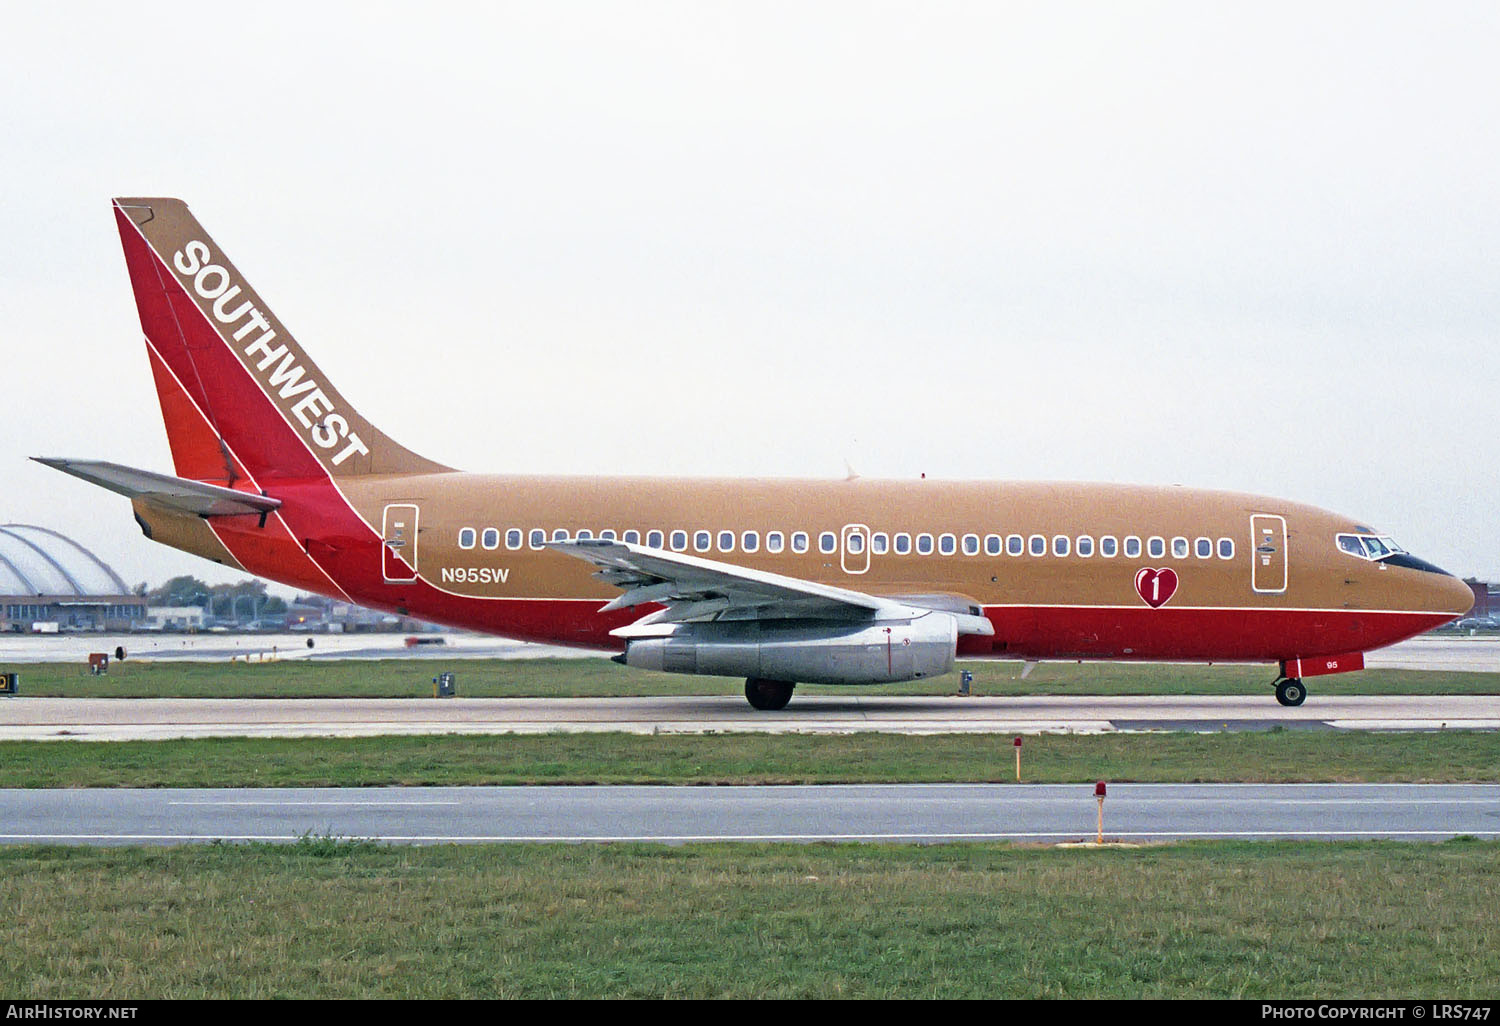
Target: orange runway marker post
[(1099, 794)]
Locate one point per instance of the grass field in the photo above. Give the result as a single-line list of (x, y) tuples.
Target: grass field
[(556, 678), (1277, 756), (330, 919)]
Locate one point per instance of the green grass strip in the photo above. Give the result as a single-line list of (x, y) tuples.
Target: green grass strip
[(1276, 756), (328, 919), (564, 678)]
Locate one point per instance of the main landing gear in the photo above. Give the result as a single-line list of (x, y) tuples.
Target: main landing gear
[(1290, 691), (768, 695)]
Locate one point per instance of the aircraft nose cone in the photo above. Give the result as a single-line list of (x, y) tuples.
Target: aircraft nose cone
[(1452, 596)]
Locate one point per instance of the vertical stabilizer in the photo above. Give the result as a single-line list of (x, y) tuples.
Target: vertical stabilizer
[(237, 392)]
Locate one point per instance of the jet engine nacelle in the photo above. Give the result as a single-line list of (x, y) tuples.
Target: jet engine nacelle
[(804, 651)]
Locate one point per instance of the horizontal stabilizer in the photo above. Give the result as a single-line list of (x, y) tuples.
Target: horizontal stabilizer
[(204, 500)]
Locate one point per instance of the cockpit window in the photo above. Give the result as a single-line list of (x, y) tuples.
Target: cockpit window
[(1369, 546)]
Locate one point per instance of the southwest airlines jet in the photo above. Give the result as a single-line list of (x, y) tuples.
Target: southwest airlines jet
[(778, 581)]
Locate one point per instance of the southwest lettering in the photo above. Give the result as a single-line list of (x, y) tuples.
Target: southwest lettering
[(211, 293), (325, 434), (189, 258), (223, 301), (354, 446), (278, 366), (255, 321), (263, 344), (288, 375), (306, 410)]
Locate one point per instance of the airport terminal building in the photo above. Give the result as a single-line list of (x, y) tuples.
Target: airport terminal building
[(48, 582)]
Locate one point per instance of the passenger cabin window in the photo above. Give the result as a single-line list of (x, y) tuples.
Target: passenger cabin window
[(1060, 545), (632, 537), (1084, 546), (466, 538), (1157, 547), (1204, 548), (585, 535), (702, 541), (1179, 548), (775, 542), (513, 538), (750, 541), (971, 544), (924, 544), (654, 539), (490, 539), (827, 542), (607, 535), (880, 543), (537, 538), (1132, 547), (1015, 545), (947, 544), (561, 534), (679, 541), (1109, 548), (799, 541), (726, 541), (1037, 545), (855, 543), (993, 545), (1226, 548), (903, 544)]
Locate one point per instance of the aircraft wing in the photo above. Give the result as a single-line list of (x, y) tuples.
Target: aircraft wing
[(204, 500), (691, 588)]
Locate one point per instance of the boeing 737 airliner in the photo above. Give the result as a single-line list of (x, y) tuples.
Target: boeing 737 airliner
[(834, 582)]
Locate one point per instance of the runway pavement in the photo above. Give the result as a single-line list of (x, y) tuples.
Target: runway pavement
[(105, 719), (877, 813)]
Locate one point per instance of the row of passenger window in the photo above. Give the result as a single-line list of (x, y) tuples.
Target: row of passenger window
[(880, 543)]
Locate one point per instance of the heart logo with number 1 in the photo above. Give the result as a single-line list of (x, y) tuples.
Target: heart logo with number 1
[(1156, 587)]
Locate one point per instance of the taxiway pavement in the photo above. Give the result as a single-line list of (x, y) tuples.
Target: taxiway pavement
[(927, 813), (105, 719)]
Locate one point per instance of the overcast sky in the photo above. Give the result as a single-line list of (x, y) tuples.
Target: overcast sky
[(1250, 247)]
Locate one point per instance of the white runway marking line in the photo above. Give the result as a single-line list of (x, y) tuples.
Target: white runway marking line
[(268, 803), (755, 838)]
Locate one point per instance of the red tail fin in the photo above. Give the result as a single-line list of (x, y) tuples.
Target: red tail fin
[(237, 392)]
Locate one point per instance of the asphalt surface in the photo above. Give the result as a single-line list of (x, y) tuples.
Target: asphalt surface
[(107, 719), (920, 813)]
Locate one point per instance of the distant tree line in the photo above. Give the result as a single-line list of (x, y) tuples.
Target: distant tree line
[(245, 600)]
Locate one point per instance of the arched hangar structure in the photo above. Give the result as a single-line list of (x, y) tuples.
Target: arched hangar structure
[(47, 578)]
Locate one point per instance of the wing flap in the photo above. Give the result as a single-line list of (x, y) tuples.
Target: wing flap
[(175, 493), (689, 587)]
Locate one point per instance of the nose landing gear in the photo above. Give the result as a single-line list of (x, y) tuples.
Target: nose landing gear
[(1290, 691)]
